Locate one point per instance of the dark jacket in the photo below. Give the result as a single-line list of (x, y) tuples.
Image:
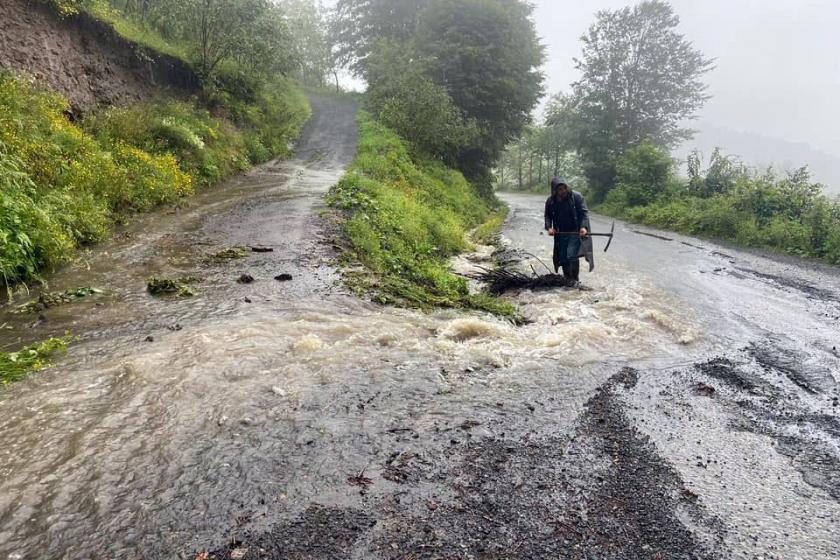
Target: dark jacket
[(579, 210)]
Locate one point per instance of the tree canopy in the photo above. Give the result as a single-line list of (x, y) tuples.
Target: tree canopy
[(640, 79), (477, 60)]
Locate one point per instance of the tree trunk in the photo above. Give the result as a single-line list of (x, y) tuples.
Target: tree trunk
[(530, 168), (520, 167)]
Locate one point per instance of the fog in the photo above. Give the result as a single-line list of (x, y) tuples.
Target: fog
[(776, 84)]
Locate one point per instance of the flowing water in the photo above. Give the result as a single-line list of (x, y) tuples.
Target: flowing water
[(177, 426)]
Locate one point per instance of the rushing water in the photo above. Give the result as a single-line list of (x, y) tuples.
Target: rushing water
[(171, 419)]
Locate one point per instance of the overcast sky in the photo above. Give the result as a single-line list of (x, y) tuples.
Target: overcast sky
[(778, 61)]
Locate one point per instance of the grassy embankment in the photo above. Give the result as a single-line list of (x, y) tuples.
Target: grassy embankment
[(64, 184), (404, 218), (816, 236), (786, 213)]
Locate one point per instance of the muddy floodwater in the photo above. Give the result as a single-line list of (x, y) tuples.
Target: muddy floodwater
[(685, 405)]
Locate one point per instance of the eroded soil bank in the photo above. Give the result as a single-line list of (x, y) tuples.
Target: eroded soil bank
[(684, 407)]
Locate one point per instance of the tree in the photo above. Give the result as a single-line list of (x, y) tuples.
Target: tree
[(359, 25), (253, 33), (640, 79), (406, 100), (487, 55), (310, 37)]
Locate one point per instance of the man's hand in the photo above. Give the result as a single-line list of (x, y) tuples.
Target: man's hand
[(583, 232), (552, 231)]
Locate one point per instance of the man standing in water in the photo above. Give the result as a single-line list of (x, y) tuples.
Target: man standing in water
[(567, 220)]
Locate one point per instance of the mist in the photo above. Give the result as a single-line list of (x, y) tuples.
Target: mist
[(776, 81)]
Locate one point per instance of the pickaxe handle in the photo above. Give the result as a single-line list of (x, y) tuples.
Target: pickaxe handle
[(611, 234)]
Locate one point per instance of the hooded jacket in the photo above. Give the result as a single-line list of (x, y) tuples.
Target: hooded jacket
[(581, 217), (552, 207)]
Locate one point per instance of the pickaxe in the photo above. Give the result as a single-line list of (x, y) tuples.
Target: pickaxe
[(611, 234)]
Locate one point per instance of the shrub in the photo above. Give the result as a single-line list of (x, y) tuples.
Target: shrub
[(60, 187), (643, 175), (206, 147)]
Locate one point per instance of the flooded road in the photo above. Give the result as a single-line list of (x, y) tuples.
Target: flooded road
[(684, 407)]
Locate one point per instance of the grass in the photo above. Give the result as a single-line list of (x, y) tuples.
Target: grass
[(134, 32), (404, 219), (15, 366), (488, 232), (64, 184)]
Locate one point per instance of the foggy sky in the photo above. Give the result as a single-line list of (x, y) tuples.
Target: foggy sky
[(778, 62)]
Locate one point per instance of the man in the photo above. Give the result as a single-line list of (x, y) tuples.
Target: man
[(567, 220)]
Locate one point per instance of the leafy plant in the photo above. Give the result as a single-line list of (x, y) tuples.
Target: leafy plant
[(404, 217), (14, 366)]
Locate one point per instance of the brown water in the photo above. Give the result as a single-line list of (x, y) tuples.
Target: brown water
[(253, 402)]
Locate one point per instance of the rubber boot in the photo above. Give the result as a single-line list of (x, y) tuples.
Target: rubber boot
[(567, 271), (575, 270)]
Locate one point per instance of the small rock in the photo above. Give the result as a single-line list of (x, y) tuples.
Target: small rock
[(247, 300), (222, 420), (262, 249), (278, 391), (150, 338), (247, 421), (283, 277), (175, 327), (245, 279), (238, 553)]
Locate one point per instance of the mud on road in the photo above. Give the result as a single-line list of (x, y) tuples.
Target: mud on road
[(684, 406)]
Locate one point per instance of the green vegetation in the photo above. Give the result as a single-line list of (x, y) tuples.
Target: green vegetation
[(488, 232), (459, 78), (728, 201), (61, 187), (640, 81), (64, 184), (14, 366), (405, 217), (182, 287), (542, 152), (450, 83), (48, 300)]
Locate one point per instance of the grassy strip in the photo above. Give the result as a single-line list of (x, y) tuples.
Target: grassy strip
[(64, 184), (14, 366), (814, 235), (404, 219)]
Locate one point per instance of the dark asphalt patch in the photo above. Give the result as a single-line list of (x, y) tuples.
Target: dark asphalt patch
[(785, 282), (601, 493)]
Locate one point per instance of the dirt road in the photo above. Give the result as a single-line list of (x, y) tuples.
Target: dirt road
[(685, 407)]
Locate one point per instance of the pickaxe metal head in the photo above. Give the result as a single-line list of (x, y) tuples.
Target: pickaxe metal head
[(611, 235)]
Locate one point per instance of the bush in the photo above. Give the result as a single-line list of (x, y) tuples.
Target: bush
[(207, 148), (272, 121), (60, 187), (643, 175), (788, 214), (405, 218)]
